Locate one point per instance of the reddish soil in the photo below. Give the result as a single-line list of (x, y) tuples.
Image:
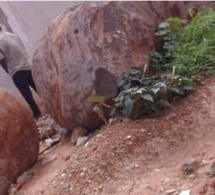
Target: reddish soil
[(137, 157)]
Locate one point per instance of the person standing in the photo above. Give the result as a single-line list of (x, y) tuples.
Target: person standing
[(15, 61)]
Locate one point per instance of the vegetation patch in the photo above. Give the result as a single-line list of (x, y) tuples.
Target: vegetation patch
[(190, 48), (184, 47)]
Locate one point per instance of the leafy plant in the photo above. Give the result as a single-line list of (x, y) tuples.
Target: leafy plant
[(129, 79), (98, 108), (166, 38), (195, 52), (140, 94), (150, 93)]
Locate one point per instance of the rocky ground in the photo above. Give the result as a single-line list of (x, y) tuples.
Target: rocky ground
[(135, 157)]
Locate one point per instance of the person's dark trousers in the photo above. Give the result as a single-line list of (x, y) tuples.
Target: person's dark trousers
[(23, 79)]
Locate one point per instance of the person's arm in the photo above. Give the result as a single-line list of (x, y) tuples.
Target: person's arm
[(3, 62)]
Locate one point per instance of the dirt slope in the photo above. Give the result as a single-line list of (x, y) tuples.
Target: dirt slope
[(141, 157)]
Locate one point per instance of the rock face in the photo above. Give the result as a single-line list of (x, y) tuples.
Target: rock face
[(19, 144), (86, 47)]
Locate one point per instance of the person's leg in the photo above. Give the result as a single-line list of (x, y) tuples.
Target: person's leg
[(31, 81), (20, 80)]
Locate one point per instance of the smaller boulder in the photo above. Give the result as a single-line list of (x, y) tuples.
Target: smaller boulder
[(78, 132), (18, 139)]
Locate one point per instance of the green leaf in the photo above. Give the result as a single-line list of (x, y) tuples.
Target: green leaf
[(178, 90), (174, 89), (155, 108), (187, 81), (155, 90), (181, 90), (96, 99), (126, 86), (188, 87), (160, 85), (96, 109), (164, 25), (165, 103), (130, 90), (134, 70), (161, 33), (120, 81), (128, 106), (147, 97), (139, 81), (112, 110), (139, 91)]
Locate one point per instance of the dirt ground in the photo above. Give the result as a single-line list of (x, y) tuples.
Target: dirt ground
[(137, 157)]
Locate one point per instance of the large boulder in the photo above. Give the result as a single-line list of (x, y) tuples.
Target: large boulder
[(86, 47), (19, 144)]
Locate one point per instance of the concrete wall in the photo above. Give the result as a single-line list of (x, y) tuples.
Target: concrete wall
[(28, 19)]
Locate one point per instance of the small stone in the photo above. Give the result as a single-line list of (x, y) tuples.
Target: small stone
[(25, 177), (185, 192), (192, 176), (128, 169), (110, 121), (64, 131), (128, 137), (67, 158), (74, 166), (203, 163), (170, 191), (82, 174), (100, 187), (48, 142), (82, 140), (166, 180), (86, 144), (143, 130), (94, 148), (66, 186), (136, 165), (48, 159), (77, 133)]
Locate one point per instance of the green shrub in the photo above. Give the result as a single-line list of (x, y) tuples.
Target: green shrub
[(148, 93), (195, 51)]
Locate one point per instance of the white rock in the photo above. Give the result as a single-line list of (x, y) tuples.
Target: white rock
[(166, 180), (128, 137), (82, 140), (49, 159), (86, 144), (170, 191), (185, 192), (143, 130)]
